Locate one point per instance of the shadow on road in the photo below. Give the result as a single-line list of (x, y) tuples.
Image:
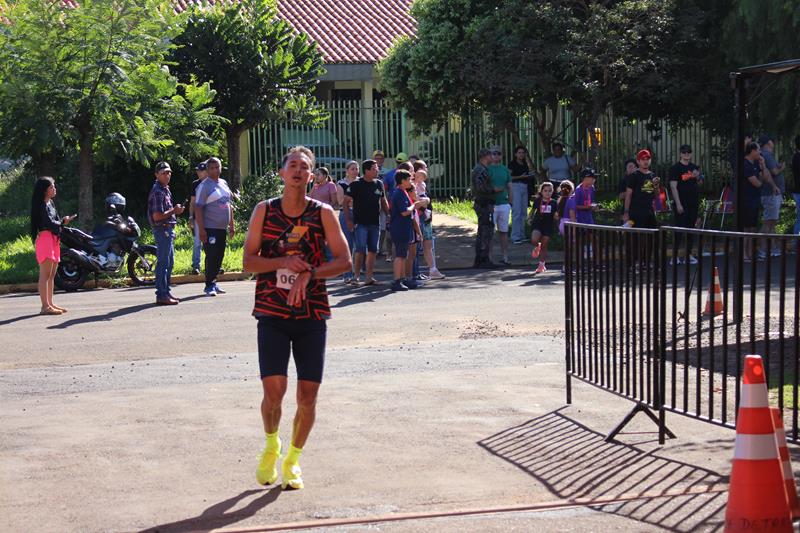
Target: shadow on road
[(218, 515), (115, 314), (17, 319), (574, 462)]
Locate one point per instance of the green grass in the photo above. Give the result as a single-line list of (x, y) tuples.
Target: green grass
[(461, 209), (18, 258)]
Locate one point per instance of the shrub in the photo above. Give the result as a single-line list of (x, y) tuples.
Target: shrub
[(256, 188)]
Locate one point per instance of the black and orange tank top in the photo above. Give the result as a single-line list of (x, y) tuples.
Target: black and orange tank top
[(282, 236)]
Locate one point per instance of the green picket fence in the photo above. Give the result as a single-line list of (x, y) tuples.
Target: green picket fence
[(353, 131)]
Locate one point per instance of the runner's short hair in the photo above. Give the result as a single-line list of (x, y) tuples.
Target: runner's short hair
[(299, 149)]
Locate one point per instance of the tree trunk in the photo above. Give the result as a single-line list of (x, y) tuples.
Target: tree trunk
[(233, 136), (85, 159)]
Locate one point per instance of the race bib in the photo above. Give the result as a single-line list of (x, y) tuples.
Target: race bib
[(285, 278), (546, 208)]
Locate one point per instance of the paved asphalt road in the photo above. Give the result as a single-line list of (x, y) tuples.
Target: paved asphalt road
[(122, 416)]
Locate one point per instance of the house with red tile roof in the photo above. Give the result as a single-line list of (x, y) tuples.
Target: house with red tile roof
[(353, 35)]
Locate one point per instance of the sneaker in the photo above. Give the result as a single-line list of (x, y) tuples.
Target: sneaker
[(196, 271), (389, 259), (267, 469), (397, 285), (536, 251), (292, 476), (518, 241), (210, 291), (435, 274), (775, 253), (411, 284), (762, 256), (505, 262), (541, 268), (355, 282), (372, 281), (693, 260), (218, 289), (421, 277)]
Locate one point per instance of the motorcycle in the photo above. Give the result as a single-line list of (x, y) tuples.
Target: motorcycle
[(105, 250)]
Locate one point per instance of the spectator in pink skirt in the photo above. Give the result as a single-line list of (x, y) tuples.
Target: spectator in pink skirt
[(46, 235)]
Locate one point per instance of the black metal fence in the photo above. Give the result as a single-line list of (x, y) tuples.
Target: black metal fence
[(645, 321)]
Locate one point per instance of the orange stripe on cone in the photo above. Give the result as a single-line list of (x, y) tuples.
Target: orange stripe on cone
[(786, 463), (757, 499), (715, 292)]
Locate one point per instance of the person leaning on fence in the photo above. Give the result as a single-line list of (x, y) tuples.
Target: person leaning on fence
[(483, 203), (684, 182), (756, 176), (640, 192), (772, 194)]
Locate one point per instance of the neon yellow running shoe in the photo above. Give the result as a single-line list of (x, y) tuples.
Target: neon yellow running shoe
[(267, 469), (292, 476)]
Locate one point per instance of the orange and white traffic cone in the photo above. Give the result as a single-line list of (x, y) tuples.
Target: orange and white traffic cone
[(757, 499), (786, 463), (715, 292)]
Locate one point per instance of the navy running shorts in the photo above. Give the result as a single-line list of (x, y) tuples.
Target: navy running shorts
[(304, 339)]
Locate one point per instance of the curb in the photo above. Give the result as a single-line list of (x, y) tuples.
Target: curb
[(108, 283)]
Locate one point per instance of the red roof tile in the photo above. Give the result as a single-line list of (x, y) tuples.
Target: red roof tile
[(338, 26)]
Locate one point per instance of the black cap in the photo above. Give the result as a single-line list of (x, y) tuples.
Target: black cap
[(588, 171), (557, 143), (686, 149), (764, 139), (162, 165), (201, 166)]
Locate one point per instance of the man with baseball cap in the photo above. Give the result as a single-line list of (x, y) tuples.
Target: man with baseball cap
[(684, 182), (202, 173), (162, 216), (772, 192), (642, 186)]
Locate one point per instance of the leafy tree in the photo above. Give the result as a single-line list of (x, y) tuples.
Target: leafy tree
[(86, 78), (260, 67), (516, 56)]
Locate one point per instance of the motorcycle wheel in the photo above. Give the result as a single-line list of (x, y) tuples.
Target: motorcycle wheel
[(69, 275), (142, 266)]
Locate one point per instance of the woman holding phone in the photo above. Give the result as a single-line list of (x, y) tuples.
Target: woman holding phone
[(45, 233)]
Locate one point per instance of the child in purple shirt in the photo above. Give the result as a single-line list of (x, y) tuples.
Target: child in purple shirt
[(584, 197)]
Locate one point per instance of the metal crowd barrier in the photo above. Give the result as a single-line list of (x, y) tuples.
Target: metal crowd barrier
[(644, 321)]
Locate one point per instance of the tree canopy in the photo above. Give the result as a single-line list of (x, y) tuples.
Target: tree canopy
[(260, 67), (93, 79), (648, 59)]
